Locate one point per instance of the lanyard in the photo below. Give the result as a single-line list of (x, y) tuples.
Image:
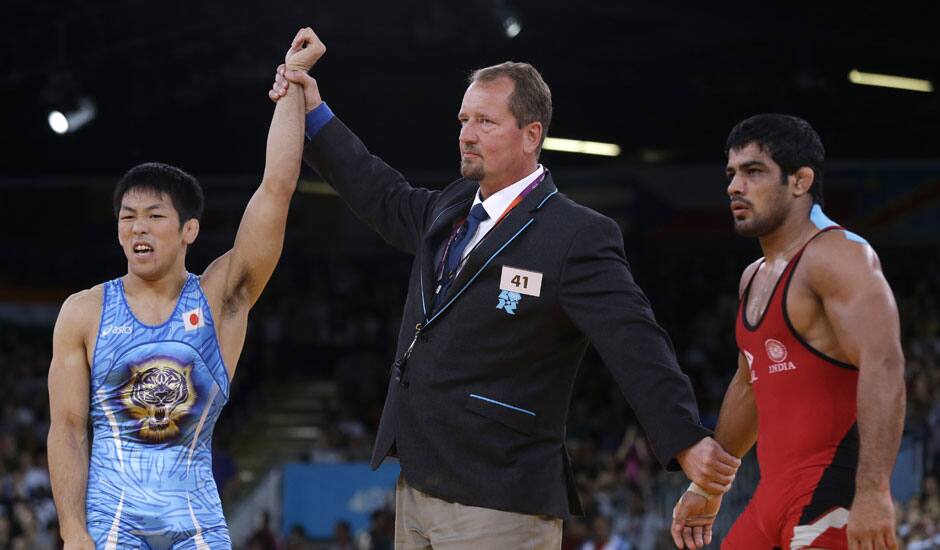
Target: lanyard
[(515, 202), (455, 234)]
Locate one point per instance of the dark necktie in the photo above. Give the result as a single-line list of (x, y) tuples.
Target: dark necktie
[(455, 252)]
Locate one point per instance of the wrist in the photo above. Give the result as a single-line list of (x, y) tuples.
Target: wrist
[(313, 105), (73, 530), (694, 488), (316, 119), (869, 488), (75, 536), (681, 455), (867, 483)]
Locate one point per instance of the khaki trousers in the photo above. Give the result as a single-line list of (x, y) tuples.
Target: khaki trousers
[(423, 522)]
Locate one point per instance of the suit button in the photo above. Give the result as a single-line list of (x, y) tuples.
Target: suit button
[(405, 384), (423, 338)]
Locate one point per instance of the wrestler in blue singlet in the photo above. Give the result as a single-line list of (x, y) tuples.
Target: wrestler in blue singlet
[(156, 393)]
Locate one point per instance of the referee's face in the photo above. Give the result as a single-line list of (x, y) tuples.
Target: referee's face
[(492, 146)]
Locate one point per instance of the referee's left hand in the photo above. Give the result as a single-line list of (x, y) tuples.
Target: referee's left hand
[(709, 465)]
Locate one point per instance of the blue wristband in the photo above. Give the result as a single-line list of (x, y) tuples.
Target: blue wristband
[(317, 119)]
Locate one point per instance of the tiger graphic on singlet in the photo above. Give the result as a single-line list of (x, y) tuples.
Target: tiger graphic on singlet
[(807, 444), (156, 393)]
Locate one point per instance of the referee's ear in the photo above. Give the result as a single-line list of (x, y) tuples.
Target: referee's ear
[(801, 181), (532, 138)]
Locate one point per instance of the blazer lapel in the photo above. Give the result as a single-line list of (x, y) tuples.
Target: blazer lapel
[(512, 226), (431, 246)]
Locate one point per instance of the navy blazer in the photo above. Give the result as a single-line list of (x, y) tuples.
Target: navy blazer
[(479, 391)]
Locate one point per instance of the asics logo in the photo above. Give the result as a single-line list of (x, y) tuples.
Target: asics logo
[(114, 329)]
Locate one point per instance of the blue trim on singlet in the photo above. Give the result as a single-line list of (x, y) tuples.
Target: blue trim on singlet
[(822, 221)]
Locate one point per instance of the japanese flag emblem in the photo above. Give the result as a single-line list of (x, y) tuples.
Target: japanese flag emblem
[(193, 319)]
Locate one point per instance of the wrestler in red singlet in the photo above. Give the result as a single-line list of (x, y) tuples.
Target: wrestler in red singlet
[(808, 443), (820, 380)]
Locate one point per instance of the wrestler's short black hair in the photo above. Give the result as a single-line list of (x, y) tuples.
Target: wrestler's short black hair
[(182, 188), (790, 141)]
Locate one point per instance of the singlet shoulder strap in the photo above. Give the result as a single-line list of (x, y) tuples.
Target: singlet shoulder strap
[(787, 275), (796, 258), (750, 281), (114, 313)]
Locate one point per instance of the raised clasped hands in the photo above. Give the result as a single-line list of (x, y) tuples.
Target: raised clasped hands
[(305, 50)]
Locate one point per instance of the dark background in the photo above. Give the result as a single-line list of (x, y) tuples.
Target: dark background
[(186, 83)]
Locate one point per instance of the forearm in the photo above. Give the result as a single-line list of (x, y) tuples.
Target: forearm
[(68, 472), (880, 406), (377, 193), (285, 143), (737, 421), (598, 293)]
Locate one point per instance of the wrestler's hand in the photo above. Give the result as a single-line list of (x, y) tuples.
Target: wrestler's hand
[(708, 465), (692, 520), (871, 521), (283, 78), (80, 542), (305, 50)]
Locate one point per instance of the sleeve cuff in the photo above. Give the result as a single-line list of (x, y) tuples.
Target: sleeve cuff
[(317, 119)]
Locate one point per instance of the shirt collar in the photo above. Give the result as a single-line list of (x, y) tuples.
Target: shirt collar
[(498, 202)]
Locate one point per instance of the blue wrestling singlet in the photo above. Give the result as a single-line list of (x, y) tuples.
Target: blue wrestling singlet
[(156, 393)]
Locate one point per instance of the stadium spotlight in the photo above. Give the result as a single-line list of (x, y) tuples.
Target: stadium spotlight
[(511, 26), (507, 18), (58, 122), (71, 121), (890, 81), (581, 146)]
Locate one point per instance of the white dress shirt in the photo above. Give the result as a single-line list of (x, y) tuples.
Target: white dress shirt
[(496, 204)]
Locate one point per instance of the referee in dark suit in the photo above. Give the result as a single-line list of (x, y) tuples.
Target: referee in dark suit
[(511, 281)]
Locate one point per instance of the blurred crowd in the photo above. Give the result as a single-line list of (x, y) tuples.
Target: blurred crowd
[(27, 513), (339, 312), (917, 288)]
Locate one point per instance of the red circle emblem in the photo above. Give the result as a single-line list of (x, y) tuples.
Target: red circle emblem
[(193, 319)]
